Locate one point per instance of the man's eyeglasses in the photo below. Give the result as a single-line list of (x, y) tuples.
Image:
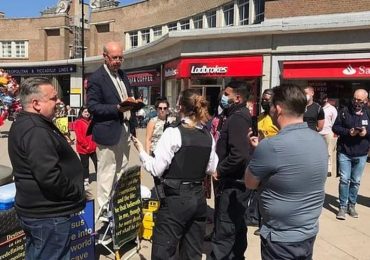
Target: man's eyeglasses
[(358, 100), (114, 58), (162, 108)]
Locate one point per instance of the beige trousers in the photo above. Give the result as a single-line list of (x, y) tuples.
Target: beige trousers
[(331, 142), (112, 161)]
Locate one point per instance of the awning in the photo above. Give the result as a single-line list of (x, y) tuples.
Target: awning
[(327, 69)]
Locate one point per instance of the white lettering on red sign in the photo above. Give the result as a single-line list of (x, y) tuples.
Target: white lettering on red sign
[(208, 70), (362, 70)]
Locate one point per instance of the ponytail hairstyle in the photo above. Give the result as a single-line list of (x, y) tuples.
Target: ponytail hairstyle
[(194, 106)]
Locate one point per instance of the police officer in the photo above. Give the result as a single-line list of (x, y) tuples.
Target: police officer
[(184, 154), (229, 239)]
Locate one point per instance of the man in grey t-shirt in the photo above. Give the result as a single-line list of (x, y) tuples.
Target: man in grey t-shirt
[(289, 171)]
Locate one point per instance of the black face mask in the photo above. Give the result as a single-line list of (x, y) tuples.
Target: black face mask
[(265, 105), (358, 106)]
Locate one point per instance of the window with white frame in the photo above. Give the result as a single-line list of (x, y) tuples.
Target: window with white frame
[(157, 32), (229, 14), (243, 6), (20, 49), (134, 39), (145, 36), (185, 24), (13, 49), (172, 26), (198, 22), (211, 19)]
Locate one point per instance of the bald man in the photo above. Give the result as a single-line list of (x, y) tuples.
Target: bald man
[(352, 126), (107, 88)]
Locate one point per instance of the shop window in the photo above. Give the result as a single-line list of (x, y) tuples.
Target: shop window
[(243, 6), (211, 19), (259, 7), (13, 49), (185, 24), (102, 28), (134, 39), (53, 32), (229, 14), (172, 26), (145, 36), (157, 32), (198, 22)]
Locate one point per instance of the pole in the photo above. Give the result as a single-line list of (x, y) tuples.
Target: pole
[(83, 49)]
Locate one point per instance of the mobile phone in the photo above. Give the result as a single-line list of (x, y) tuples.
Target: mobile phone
[(359, 129)]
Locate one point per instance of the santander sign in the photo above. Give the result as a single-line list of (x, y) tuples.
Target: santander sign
[(208, 69), (361, 70)]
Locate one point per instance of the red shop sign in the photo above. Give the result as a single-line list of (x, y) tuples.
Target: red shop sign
[(327, 69), (250, 66), (144, 78)]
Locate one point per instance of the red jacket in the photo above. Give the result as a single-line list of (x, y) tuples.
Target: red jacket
[(85, 144)]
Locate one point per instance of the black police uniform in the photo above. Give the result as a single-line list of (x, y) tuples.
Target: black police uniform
[(229, 240), (182, 215)]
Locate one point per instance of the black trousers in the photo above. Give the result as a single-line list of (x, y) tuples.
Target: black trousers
[(181, 221), (85, 163), (302, 250), (229, 239)]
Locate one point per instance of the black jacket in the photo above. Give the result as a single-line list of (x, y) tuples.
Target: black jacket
[(347, 144), (233, 145), (48, 174)]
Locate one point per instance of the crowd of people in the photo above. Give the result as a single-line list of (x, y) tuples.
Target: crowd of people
[(279, 169)]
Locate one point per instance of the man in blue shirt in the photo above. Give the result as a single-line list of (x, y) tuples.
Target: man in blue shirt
[(289, 170), (352, 126)]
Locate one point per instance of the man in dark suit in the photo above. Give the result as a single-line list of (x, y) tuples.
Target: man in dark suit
[(107, 88)]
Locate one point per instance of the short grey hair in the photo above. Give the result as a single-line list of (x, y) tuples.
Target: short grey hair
[(30, 88)]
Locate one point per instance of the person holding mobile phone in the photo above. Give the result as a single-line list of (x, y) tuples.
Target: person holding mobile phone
[(353, 127)]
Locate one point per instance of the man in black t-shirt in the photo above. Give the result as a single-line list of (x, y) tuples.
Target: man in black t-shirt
[(314, 115)]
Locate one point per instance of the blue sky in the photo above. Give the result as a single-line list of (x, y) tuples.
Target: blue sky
[(32, 8)]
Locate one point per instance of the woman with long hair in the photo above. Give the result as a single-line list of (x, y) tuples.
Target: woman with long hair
[(85, 146), (155, 127), (183, 156)]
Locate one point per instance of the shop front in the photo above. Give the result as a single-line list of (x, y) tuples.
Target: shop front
[(337, 78), (59, 75), (147, 84), (210, 76)]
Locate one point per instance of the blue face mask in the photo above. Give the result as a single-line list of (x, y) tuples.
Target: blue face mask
[(224, 101)]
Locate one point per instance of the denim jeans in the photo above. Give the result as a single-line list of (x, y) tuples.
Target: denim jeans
[(350, 169), (47, 238)]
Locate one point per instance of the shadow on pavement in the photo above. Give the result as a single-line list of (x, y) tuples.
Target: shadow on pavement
[(365, 201), (331, 203)]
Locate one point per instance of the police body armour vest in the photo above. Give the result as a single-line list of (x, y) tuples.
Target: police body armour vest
[(191, 160)]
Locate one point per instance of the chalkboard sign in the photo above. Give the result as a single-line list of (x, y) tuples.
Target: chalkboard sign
[(126, 205), (13, 245)]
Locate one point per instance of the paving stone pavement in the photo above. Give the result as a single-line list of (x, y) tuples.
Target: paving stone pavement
[(339, 240)]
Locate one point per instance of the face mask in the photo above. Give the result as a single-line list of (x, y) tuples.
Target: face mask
[(224, 101), (358, 106), (265, 105)]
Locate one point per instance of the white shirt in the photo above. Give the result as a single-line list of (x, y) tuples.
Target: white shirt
[(330, 116), (167, 146)]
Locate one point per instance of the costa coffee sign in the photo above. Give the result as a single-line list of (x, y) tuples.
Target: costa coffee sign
[(144, 78), (330, 69), (248, 66)]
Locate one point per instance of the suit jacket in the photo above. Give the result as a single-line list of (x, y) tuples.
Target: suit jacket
[(102, 101)]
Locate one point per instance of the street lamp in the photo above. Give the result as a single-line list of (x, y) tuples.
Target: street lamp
[(83, 47)]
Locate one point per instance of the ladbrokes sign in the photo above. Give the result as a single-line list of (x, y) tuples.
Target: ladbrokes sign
[(198, 69)]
